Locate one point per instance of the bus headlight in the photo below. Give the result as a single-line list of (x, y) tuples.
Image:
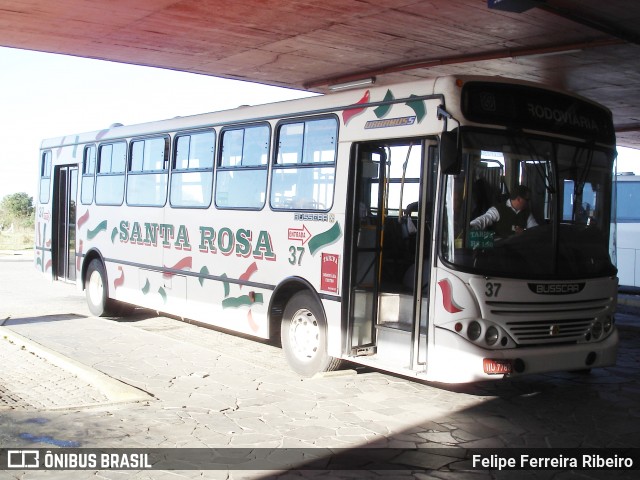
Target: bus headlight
[(596, 330), (474, 330), (484, 333), (608, 324), (492, 335)]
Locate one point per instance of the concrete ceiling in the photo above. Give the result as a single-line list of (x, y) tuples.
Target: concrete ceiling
[(591, 47)]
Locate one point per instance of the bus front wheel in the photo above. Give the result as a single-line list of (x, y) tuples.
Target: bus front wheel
[(304, 336), (97, 290)]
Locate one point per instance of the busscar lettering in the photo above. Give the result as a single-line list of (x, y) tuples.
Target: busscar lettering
[(211, 240), (556, 288), (314, 217)]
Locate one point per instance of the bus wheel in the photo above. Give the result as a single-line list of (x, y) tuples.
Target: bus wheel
[(96, 290), (304, 336)]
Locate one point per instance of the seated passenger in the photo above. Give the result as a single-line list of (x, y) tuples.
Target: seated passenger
[(511, 217)]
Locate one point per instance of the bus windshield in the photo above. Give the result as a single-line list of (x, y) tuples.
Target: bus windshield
[(528, 207)]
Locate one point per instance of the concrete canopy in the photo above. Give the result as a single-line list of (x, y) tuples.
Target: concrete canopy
[(586, 46)]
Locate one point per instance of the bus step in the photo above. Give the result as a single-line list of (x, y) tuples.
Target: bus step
[(362, 351)]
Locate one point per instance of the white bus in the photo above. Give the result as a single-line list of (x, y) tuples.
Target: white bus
[(628, 231), (340, 224)]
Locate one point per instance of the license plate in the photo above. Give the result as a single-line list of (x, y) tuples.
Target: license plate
[(497, 367)]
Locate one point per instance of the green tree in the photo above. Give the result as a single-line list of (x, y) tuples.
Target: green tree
[(17, 205)]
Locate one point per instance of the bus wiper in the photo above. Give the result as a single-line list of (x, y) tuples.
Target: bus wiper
[(544, 168)]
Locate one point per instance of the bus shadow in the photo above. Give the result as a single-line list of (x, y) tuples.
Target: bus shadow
[(626, 371), (132, 314), (8, 322), (546, 415)]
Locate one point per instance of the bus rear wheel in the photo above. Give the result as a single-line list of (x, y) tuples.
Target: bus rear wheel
[(304, 336), (97, 291)]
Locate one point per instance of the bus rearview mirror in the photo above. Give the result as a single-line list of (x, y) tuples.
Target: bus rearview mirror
[(450, 153)]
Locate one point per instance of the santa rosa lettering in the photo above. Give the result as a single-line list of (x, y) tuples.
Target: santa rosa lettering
[(226, 241)]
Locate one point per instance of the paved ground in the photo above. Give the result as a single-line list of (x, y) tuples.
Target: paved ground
[(72, 380)]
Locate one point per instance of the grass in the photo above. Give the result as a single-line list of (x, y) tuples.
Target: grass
[(20, 238)]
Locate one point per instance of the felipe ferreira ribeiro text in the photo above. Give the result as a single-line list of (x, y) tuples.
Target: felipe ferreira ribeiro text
[(496, 462)]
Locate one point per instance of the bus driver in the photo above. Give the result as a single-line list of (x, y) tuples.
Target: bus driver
[(511, 217)]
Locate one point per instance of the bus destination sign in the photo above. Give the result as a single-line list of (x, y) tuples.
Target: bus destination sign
[(522, 106)]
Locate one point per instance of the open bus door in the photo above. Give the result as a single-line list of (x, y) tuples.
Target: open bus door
[(63, 250), (390, 252)]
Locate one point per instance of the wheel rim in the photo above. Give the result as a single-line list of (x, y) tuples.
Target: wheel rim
[(95, 288), (304, 334)]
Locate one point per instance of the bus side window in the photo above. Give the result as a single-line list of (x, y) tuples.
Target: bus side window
[(88, 174), (147, 179), (241, 180), (110, 173), (45, 177), (192, 176), (304, 173)]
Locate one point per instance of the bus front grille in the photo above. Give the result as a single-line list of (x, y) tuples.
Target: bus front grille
[(549, 331), (540, 323)]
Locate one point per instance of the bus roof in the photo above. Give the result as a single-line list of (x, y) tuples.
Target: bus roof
[(332, 102)]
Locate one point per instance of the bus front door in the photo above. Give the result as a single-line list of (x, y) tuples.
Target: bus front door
[(389, 273), (64, 216)]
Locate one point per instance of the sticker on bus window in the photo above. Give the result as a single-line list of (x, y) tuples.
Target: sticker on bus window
[(329, 273), (481, 239)]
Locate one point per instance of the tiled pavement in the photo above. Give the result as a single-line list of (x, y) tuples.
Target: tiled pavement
[(205, 389)]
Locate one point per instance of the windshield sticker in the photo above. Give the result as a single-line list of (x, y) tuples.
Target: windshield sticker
[(481, 239)]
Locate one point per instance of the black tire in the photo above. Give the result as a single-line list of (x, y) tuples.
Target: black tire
[(304, 336), (96, 289)]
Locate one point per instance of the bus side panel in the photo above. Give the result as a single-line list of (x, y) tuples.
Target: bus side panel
[(45, 222), (333, 310), (125, 243), (42, 259), (628, 254)]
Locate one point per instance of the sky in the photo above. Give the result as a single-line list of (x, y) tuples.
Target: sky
[(45, 95)]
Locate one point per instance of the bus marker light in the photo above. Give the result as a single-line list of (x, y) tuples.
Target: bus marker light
[(458, 327), (493, 366)]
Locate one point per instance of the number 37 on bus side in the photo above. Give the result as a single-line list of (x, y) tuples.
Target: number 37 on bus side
[(295, 255)]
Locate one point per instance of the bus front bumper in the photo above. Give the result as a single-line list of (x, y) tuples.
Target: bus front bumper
[(455, 360)]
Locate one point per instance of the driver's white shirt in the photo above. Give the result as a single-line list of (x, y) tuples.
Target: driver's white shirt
[(492, 215)]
